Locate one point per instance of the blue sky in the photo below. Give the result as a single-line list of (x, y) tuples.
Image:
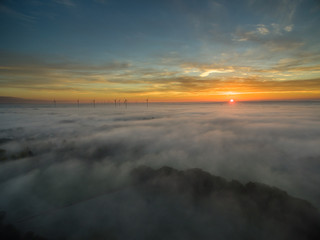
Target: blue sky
[(183, 50)]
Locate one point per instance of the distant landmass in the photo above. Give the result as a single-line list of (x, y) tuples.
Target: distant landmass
[(4, 99)]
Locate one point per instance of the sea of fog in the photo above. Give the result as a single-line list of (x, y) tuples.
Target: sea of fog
[(55, 156)]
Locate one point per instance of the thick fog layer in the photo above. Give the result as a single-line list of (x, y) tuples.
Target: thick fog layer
[(53, 157)]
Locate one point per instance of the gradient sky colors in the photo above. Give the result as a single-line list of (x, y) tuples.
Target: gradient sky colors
[(168, 50)]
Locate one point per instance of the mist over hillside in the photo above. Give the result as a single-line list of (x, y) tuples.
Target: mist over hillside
[(52, 158)]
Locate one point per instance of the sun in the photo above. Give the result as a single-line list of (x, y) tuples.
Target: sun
[(231, 100)]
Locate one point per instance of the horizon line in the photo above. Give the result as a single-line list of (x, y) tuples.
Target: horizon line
[(18, 100)]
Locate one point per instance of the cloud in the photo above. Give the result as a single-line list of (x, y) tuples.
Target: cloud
[(81, 156), (54, 74), (262, 29), (24, 62), (273, 38), (27, 71), (209, 71), (288, 28)]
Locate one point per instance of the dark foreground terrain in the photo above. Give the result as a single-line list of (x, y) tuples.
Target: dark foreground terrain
[(228, 210), (191, 204)]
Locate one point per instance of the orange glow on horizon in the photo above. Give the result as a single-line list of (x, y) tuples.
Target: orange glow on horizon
[(223, 94)]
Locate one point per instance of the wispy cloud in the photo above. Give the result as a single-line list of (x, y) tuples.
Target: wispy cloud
[(288, 28), (273, 37), (209, 71), (127, 78), (262, 29)]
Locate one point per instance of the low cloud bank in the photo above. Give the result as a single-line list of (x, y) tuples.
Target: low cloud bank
[(54, 157)]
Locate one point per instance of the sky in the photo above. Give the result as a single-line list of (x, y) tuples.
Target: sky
[(169, 50)]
